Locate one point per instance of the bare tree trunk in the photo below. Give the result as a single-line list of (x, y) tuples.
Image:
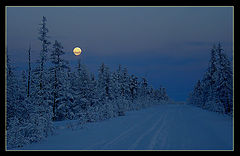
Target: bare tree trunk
[(29, 70), (54, 95)]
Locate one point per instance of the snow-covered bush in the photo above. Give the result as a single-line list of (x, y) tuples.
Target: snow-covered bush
[(215, 106)]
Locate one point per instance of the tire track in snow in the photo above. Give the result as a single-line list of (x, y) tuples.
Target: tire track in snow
[(125, 133), (185, 139), (160, 132), (134, 145)]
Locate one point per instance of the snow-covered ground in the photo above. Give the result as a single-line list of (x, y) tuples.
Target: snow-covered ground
[(161, 127)]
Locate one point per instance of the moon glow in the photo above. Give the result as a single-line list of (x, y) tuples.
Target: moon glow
[(77, 51)]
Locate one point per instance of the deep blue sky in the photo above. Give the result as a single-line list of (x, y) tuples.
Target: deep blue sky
[(169, 45)]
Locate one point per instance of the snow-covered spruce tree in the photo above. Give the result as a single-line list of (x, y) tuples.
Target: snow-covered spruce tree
[(42, 80), (210, 78), (104, 83), (218, 82), (156, 95), (84, 81), (197, 95), (41, 73), (224, 86), (133, 91), (40, 98), (120, 83), (13, 138), (19, 111), (64, 100), (74, 96), (213, 102), (116, 80), (117, 98), (39, 95), (105, 91), (43, 32), (23, 85), (74, 92), (203, 94), (124, 90), (80, 92), (93, 109), (144, 93), (57, 81), (12, 91), (68, 91), (163, 94), (154, 100)]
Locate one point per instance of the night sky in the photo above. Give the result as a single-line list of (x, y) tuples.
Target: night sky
[(170, 46)]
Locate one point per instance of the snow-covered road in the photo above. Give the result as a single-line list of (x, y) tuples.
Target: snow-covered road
[(161, 127)]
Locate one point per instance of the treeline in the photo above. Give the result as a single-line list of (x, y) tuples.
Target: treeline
[(215, 91), (53, 91)]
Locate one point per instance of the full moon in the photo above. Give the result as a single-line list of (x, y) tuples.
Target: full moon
[(77, 51)]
